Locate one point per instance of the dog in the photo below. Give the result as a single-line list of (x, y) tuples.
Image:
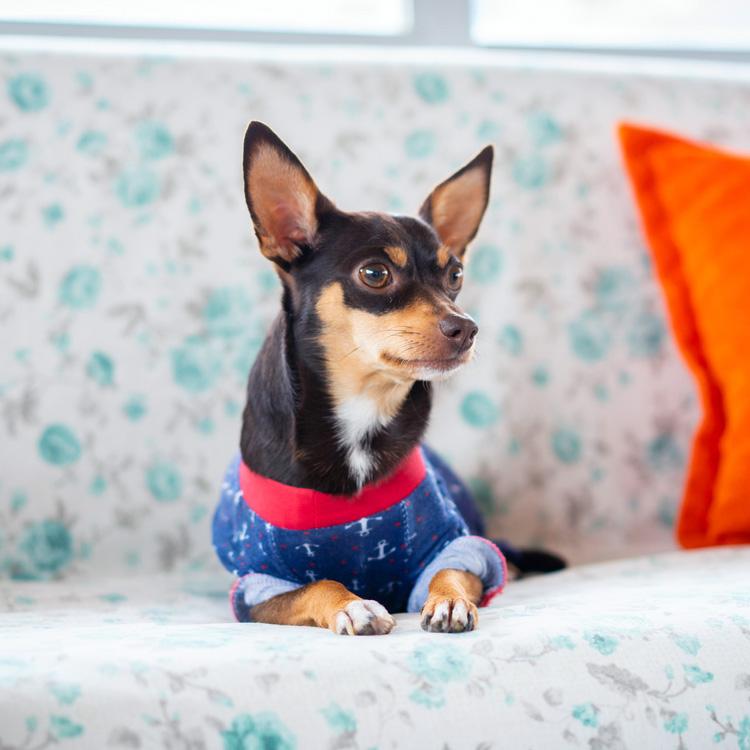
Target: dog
[(333, 514)]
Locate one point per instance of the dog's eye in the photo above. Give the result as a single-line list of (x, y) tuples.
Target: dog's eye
[(455, 277), (376, 275)]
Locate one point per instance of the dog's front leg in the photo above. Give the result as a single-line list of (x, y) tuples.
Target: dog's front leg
[(451, 605), (327, 604)]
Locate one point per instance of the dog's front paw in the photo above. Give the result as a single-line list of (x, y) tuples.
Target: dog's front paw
[(441, 615), (363, 617)]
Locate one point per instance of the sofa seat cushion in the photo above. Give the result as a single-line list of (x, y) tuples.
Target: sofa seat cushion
[(651, 652)]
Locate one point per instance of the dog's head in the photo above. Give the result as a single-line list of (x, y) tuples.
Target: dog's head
[(376, 292)]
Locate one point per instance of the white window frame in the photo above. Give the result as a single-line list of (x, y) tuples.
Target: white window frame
[(435, 23)]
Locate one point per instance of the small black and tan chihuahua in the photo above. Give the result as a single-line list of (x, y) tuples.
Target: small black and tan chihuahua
[(333, 513)]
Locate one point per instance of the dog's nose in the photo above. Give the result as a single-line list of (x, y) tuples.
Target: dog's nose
[(460, 329)]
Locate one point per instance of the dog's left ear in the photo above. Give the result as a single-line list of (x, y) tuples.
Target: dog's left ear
[(455, 207), (283, 199)]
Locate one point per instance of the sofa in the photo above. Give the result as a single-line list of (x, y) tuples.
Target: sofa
[(133, 300)]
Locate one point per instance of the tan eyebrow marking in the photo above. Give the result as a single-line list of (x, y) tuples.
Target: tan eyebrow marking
[(397, 255), (443, 255)]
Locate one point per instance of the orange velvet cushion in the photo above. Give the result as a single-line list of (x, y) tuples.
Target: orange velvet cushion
[(695, 206)]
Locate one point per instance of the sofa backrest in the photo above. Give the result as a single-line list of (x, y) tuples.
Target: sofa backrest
[(133, 298)]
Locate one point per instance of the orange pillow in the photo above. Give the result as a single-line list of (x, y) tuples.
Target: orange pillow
[(694, 201)]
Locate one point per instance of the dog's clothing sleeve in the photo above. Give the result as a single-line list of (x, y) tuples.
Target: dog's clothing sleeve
[(254, 588), (474, 554)]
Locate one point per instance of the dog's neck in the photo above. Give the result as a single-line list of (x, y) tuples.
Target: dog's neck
[(308, 426)]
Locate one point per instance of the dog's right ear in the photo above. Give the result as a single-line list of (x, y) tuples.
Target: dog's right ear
[(283, 200)]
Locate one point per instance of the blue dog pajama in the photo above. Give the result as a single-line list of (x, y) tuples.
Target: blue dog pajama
[(385, 544)]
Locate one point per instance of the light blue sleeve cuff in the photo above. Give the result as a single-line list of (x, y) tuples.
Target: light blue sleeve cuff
[(254, 588), (474, 554)]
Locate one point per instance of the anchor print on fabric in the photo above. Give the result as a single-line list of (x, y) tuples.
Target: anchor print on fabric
[(381, 551), (364, 524), (243, 533), (388, 588), (308, 547)]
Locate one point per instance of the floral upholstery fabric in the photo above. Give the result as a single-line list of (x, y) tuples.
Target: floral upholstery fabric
[(132, 303), (645, 653), (133, 298)]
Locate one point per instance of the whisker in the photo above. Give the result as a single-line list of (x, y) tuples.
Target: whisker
[(356, 348)]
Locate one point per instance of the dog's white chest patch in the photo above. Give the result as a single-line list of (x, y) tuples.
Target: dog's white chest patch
[(358, 418)]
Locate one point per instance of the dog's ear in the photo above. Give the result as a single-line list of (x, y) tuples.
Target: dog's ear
[(283, 200), (455, 207)]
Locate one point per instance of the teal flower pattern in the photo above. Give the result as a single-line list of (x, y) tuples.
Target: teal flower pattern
[(479, 410), (154, 140), (604, 644), (48, 546), (545, 130), (438, 663), (512, 340), (587, 714), (531, 172), (80, 287), (92, 142), (688, 643), (98, 485), (164, 482), (431, 88), (59, 446), (676, 723), (664, 453), (743, 734), (428, 696), (13, 154), (696, 675), (590, 337), (540, 376), (29, 92), (64, 728), (486, 264), (137, 187), (101, 369), (566, 445), (253, 732), (563, 641), (135, 408), (420, 144), (339, 719), (227, 312), (614, 288), (53, 215), (647, 335), (195, 365), (65, 693)]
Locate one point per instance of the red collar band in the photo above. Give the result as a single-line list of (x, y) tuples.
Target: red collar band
[(299, 508)]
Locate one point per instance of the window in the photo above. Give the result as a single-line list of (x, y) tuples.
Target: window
[(652, 24), (371, 17), (685, 27)]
